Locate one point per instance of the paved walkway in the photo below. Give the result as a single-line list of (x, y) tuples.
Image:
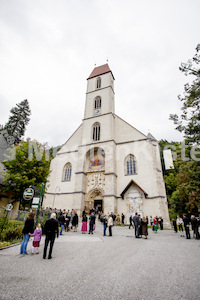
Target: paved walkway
[(165, 266)]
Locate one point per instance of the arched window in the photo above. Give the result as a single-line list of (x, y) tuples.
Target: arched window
[(96, 132), (98, 83), (67, 172), (130, 165), (97, 103)]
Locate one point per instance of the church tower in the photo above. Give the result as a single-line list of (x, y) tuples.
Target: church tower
[(98, 131), (100, 92), (99, 106)]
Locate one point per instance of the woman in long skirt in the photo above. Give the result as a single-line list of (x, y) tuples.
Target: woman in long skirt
[(144, 227), (155, 224), (84, 224)]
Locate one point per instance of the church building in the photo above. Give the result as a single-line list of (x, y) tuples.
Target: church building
[(107, 162)]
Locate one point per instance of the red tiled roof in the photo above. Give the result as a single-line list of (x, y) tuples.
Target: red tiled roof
[(100, 70)]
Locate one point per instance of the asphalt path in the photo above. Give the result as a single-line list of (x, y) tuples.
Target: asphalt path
[(165, 266)]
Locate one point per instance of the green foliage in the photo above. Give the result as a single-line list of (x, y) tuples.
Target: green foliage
[(189, 121), (189, 185), (182, 182), (12, 231), (177, 202), (18, 120), (42, 219), (4, 220), (171, 183), (172, 214), (176, 153), (183, 187), (30, 167), (4, 244)]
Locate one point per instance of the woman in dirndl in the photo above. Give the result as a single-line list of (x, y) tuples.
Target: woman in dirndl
[(84, 224), (155, 224)]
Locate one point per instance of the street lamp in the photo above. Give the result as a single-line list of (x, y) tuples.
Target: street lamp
[(57, 190)]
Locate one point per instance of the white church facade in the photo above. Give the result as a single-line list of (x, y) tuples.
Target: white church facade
[(107, 162)]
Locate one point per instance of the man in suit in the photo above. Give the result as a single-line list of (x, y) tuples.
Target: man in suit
[(186, 222), (92, 223), (137, 222), (50, 229)]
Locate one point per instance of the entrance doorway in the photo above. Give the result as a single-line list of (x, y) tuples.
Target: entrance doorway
[(99, 204)]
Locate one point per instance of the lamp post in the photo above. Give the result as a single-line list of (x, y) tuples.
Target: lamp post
[(56, 189)]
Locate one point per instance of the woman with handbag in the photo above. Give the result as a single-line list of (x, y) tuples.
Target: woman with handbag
[(28, 228)]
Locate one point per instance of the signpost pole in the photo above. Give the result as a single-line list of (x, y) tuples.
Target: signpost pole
[(39, 203)]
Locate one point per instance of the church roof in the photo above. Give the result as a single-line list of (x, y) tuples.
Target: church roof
[(128, 186), (151, 137), (100, 71)]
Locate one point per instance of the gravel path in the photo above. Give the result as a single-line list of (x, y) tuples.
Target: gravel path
[(165, 266)]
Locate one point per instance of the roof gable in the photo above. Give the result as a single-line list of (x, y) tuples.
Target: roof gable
[(100, 71), (126, 132), (129, 185), (151, 137)]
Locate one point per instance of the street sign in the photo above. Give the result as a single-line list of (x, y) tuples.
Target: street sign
[(35, 202), (28, 194), (9, 207)]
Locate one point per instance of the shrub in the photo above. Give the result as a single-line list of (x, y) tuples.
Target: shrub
[(4, 220), (12, 230), (4, 244), (12, 233), (15, 223)]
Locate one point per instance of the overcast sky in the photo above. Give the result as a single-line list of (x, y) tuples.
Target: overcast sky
[(48, 48)]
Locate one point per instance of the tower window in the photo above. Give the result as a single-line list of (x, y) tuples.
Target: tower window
[(67, 172), (130, 165), (97, 103), (96, 132), (98, 83)]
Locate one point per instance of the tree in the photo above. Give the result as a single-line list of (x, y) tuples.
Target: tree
[(183, 182), (170, 176), (188, 184), (18, 121), (187, 194), (30, 167), (189, 121)]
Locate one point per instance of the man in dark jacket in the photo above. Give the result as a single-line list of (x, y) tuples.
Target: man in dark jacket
[(50, 229), (75, 221), (137, 222), (194, 223), (92, 223), (61, 221), (130, 221), (122, 219), (105, 225), (186, 222)]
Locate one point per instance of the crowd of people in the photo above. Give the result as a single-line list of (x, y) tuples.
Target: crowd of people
[(184, 223), (68, 220), (141, 224)]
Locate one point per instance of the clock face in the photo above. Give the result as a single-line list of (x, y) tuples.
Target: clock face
[(97, 111)]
